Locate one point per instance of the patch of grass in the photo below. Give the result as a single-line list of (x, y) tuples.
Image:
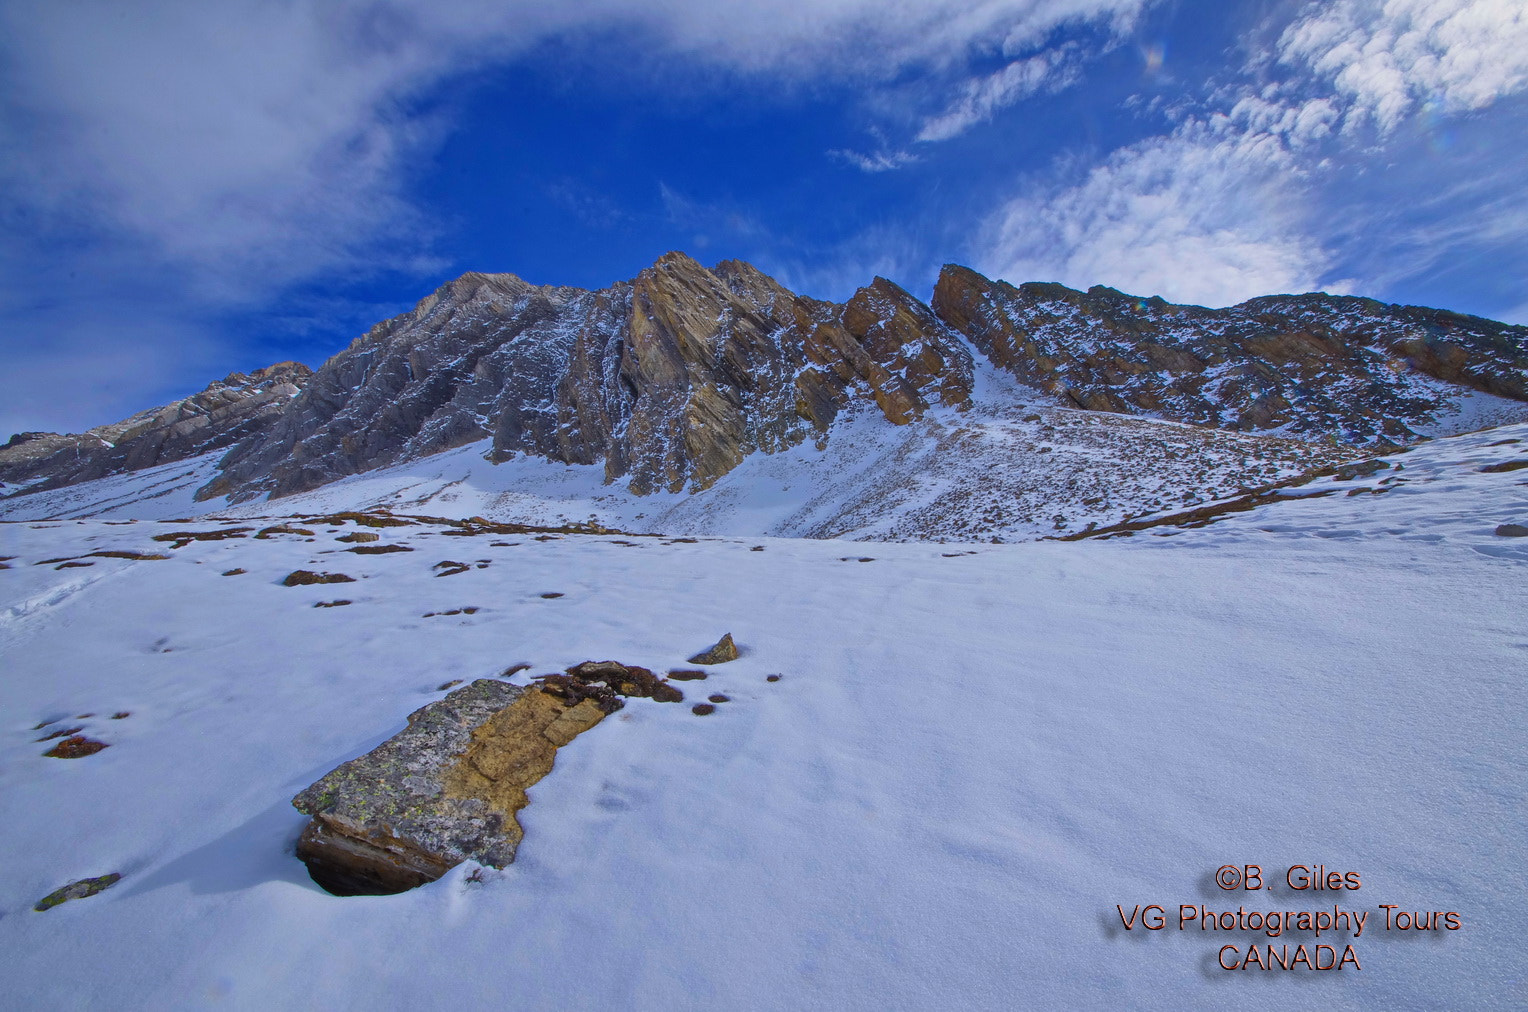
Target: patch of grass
[(270, 532), (183, 538)]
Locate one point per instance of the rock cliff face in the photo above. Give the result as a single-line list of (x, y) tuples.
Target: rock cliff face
[(235, 408), (670, 379), (1356, 369)]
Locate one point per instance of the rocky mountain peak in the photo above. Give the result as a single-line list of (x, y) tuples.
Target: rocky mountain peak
[(671, 379), (1351, 368)]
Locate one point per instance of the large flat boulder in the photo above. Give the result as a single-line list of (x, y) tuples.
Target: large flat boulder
[(442, 791)]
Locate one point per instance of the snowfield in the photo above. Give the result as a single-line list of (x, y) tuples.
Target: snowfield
[(973, 754)]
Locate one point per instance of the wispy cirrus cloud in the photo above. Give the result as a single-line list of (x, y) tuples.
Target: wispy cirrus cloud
[(183, 159), (874, 161), (1205, 215), (1254, 193), (984, 96)]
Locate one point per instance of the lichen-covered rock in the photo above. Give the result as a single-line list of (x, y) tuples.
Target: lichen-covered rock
[(77, 891), (442, 791), (720, 652)]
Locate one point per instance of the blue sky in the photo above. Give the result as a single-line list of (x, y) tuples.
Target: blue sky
[(188, 188)]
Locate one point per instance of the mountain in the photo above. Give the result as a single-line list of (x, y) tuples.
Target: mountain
[(900, 418), (1352, 368), (668, 380), (237, 407)]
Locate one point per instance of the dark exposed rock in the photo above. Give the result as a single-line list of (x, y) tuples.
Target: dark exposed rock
[(1512, 531), (604, 682), (77, 891), (1319, 364), (359, 537), (303, 577), (720, 652), (378, 549), (717, 697), (702, 709), (687, 675), (442, 791), (237, 407), (77, 747), (1504, 466), (669, 379)]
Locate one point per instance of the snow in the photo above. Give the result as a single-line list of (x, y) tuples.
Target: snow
[(973, 755), (1015, 471)]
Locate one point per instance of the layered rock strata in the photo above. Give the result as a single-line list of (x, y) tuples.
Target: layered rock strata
[(668, 380), (240, 406), (1356, 369), (442, 791), (447, 788)]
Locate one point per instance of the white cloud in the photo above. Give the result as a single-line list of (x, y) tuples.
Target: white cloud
[(224, 151), (264, 143), (984, 96), (876, 161), (1207, 216), (1385, 58), (1227, 205)]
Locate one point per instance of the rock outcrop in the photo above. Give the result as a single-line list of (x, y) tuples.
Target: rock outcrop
[(443, 790), (669, 380), (446, 789), (1358, 370), (237, 407)]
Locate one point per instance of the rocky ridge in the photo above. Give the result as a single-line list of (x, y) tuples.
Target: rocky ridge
[(669, 380), (1355, 369), (672, 379), (237, 407)]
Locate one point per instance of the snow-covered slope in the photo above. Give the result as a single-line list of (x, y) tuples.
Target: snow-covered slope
[(1014, 469), (973, 755)]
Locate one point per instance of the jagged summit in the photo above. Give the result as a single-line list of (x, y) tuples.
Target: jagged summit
[(668, 381), (1352, 368)]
